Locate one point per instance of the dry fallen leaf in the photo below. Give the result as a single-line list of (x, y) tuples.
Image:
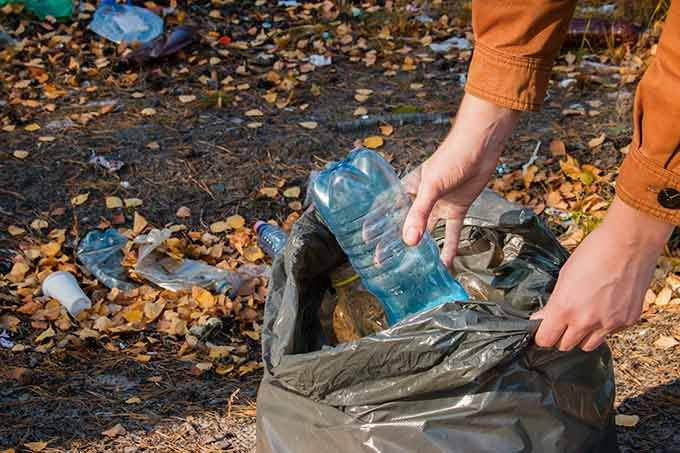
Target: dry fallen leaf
[(132, 202), (15, 230), (149, 111), (154, 146), (664, 296), (152, 310), (80, 199), (364, 91), (183, 212), (309, 124), (115, 431), (627, 421), (360, 111), (386, 130), (292, 192), (235, 221), (50, 249), (143, 358), (666, 342), (114, 202), (373, 142), (204, 298), (204, 366), (139, 223), (20, 154), (557, 148), (186, 98), (219, 227), (36, 446), (32, 127), (133, 315), (254, 125), (254, 112), (271, 192), (253, 253), (597, 141), (48, 333), (133, 400)]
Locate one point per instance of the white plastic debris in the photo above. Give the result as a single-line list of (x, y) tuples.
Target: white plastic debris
[(451, 43), (566, 83), (320, 60), (64, 287), (5, 342)]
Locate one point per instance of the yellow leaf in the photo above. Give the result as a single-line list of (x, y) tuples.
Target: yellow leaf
[(47, 138), (571, 167), (36, 446), (50, 249), (102, 324), (143, 358), (597, 141), (373, 142), (360, 111), (80, 199), (253, 253), (627, 421), (132, 202), (133, 400), (186, 98), (253, 334), (149, 111), (224, 369), (666, 342), (255, 125), (309, 124), (664, 296), (254, 112), (117, 430), (203, 297), (235, 221), (114, 202), (292, 192), (139, 223), (219, 227), (133, 315), (18, 272), (20, 154), (387, 130), (183, 212), (270, 97), (218, 352), (204, 366), (39, 224), (15, 230), (47, 333), (153, 146), (152, 310), (9, 450), (32, 127), (364, 91), (271, 192), (529, 175)]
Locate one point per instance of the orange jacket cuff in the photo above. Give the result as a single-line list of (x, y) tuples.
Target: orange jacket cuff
[(510, 81)]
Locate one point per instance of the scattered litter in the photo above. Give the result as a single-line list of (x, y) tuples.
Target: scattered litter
[(125, 23), (396, 119), (289, 3), (164, 45), (101, 254), (560, 214), (600, 68), (5, 341), (320, 60), (503, 169), (607, 8), (64, 287), (357, 12), (264, 59), (203, 331), (59, 125), (110, 165), (423, 19), (451, 43), (115, 104), (627, 421), (566, 83), (532, 159), (173, 274)]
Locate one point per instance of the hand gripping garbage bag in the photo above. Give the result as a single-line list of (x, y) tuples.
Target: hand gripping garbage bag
[(460, 377)]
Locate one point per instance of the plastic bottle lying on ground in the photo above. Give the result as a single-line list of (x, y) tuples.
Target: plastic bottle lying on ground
[(362, 202), (271, 238), (118, 23)]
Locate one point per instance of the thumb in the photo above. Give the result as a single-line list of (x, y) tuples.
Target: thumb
[(416, 220)]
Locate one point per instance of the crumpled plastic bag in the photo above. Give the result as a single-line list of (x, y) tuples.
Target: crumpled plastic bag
[(460, 377)]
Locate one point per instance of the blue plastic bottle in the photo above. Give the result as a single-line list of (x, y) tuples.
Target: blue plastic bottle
[(118, 23), (272, 239), (364, 205)]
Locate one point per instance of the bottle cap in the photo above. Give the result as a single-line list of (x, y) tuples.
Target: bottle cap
[(258, 224)]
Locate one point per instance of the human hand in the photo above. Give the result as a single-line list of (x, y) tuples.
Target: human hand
[(601, 288), (449, 181)]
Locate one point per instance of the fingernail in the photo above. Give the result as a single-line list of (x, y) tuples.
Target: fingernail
[(412, 235)]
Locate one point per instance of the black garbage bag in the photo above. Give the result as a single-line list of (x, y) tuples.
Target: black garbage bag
[(460, 377)]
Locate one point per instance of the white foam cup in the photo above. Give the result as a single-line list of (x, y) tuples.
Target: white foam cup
[(64, 287)]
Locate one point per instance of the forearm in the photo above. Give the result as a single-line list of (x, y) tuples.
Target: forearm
[(636, 230)]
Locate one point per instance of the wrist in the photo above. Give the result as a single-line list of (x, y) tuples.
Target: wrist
[(637, 229)]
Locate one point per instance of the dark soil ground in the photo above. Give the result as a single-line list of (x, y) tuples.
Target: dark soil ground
[(211, 162)]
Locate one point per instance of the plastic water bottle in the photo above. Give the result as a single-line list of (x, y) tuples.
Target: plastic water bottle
[(362, 201), (271, 238), (118, 23)]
